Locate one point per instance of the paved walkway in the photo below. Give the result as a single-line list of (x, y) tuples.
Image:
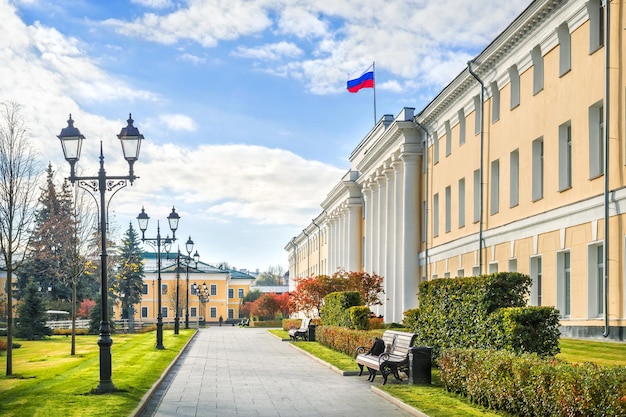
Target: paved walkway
[(229, 371)]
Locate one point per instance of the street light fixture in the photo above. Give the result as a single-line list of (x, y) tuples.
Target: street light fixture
[(186, 259), (156, 242), (71, 143), (202, 291)]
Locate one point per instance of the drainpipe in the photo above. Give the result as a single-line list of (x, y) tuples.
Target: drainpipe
[(482, 136), (319, 248), (418, 124), (607, 104)]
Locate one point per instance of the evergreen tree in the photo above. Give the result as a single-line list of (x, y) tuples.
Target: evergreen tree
[(128, 282), (32, 317)]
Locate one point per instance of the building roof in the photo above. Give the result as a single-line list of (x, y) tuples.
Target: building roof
[(170, 265)]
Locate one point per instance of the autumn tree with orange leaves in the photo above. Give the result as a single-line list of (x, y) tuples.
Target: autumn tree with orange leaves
[(310, 291)]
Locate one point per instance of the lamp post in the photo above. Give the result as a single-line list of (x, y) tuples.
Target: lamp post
[(71, 142), (202, 291), (186, 259), (156, 242)]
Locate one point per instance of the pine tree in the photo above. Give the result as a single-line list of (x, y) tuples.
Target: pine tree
[(130, 273), (32, 317)]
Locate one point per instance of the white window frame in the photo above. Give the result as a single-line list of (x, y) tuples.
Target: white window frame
[(448, 203), (144, 312), (477, 195), (493, 267), (495, 102), (495, 187), (436, 215), (537, 168), (435, 148), (564, 283), (565, 156), (536, 275), (514, 178), (213, 312), (515, 86), (565, 49), (448, 138), (461, 202), (596, 140), (538, 71), (595, 279), (513, 265), (478, 114), (461, 115), (596, 25)]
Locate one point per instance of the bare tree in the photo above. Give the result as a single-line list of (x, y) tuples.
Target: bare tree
[(19, 175)]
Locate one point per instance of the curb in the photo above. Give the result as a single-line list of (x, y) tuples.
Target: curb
[(148, 395), (413, 411), (326, 364)]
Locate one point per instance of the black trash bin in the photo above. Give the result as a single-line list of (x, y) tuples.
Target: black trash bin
[(420, 365), (311, 333)]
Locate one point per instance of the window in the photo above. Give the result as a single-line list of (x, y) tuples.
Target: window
[(448, 139), (424, 220), (436, 215), (460, 273), (240, 293), (475, 271), (478, 114), (596, 25), (537, 59), (565, 49), (495, 186), (231, 293), (163, 289), (461, 127), (193, 311), (461, 202), (435, 148), (514, 178), (231, 313), (163, 311), (536, 276), (596, 280), (144, 289), (512, 265), (495, 102), (537, 174), (448, 209), (213, 312), (493, 267), (477, 195), (144, 312), (596, 140), (515, 86), (563, 283), (565, 156), (213, 289)]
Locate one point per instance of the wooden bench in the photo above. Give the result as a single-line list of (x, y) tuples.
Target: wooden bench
[(244, 322), (302, 332), (395, 358)]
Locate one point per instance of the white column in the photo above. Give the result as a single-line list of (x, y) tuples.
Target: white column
[(382, 225), (389, 280), (397, 298), (411, 230), (331, 243), (354, 219), (375, 216), (367, 195)]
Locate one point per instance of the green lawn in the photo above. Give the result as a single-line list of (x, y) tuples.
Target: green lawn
[(435, 401), (49, 382)]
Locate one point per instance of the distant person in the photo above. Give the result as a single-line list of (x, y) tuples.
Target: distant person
[(221, 321)]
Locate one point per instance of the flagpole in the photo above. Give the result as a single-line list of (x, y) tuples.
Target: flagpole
[(374, 71)]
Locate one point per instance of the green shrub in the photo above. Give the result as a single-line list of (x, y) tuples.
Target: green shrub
[(346, 340), (526, 329), (68, 332), (360, 317), (3, 345), (291, 324), (336, 308), (528, 385)]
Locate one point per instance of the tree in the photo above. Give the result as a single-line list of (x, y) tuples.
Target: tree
[(19, 173), (265, 307), (252, 296), (128, 282), (272, 277), (84, 310), (32, 315)]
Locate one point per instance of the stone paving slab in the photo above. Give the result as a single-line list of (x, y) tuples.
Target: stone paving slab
[(246, 372)]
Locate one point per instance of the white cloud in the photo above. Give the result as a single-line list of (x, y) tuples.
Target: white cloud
[(155, 4), (178, 122), (194, 59), (270, 52)]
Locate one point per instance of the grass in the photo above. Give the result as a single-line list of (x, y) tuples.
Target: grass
[(49, 382), (435, 401)]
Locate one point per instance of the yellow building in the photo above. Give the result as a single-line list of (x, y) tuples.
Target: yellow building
[(225, 290), (518, 164)]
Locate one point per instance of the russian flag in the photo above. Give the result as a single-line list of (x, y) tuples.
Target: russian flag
[(365, 80)]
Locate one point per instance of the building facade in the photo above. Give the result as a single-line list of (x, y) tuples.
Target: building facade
[(226, 289), (518, 164)]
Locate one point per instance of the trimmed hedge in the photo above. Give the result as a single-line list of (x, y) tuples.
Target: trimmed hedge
[(336, 310), (346, 340), (467, 312), (360, 317), (528, 385)]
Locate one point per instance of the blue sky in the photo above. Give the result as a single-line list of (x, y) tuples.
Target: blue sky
[(243, 103)]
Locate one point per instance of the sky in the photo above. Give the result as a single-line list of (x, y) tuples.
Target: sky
[(243, 103)]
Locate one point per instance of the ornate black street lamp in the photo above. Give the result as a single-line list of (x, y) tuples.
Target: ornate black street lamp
[(172, 219), (202, 291), (71, 142), (185, 259)]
